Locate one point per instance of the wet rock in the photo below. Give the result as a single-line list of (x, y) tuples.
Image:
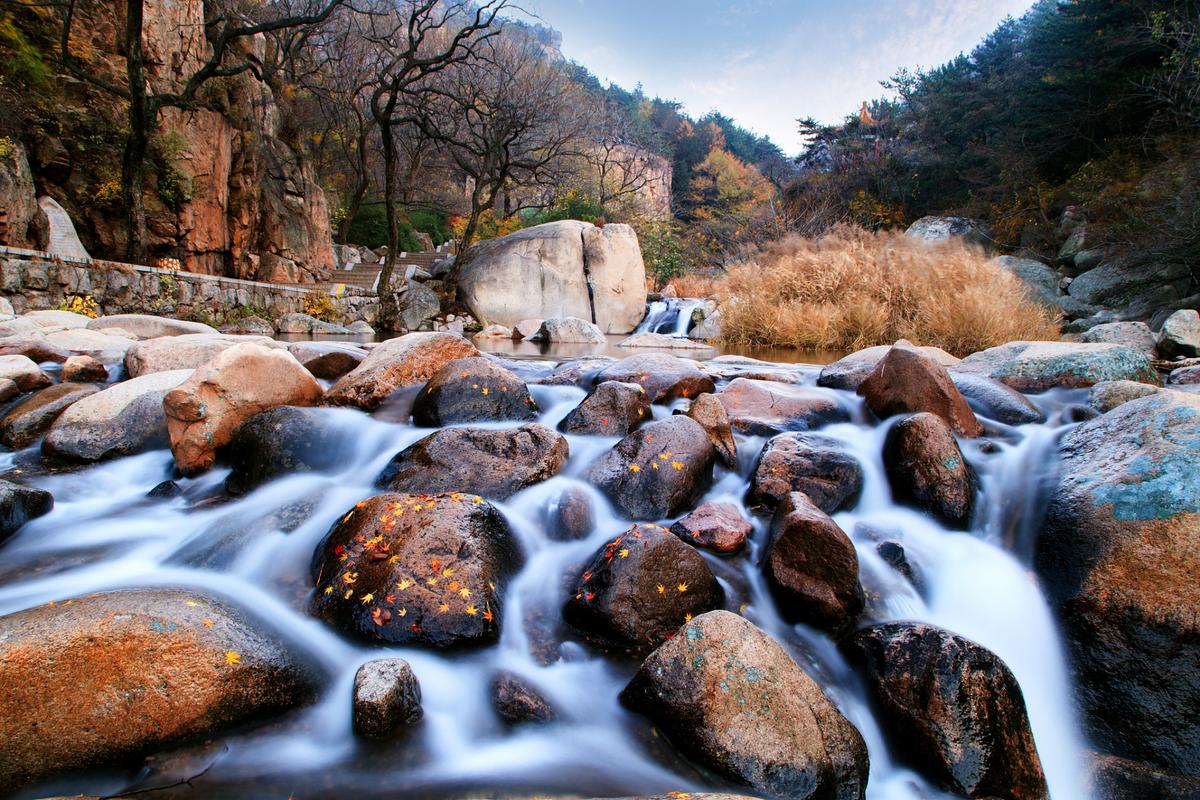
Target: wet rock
[(994, 400), (1180, 335), (664, 377), (849, 372), (710, 413), (526, 328), (205, 410), (22, 425), (20, 504), (1106, 396), (764, 408), (404, 361), (186, 351), (281, 441), (1117, 559), (147, 326), (637, 589), (124, 419), (34, 346), (954, 708), (610, 409), (1038, 366), (1131, 334), (250, 326), (165, 491), (327, 360), (731, 698), (819, 466), (387, 697), (416, 570), (579, 372), (926, 469), (495, 464), (569, 330), (906, 381), (894, 554), (84, 369), (719, 527), (1114, 778), (473, 389), (131, 672), (517, 702), (24, 372), (658, 471), (812, 567), (570, 516)]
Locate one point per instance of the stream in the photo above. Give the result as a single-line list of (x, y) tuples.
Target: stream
[(104, 533)]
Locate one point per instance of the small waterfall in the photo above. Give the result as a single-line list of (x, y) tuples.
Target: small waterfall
[(671, 316)]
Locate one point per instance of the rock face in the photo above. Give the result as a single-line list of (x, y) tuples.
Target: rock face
[(610, 409), (124, 419), (954, 708), (812, 567), (1144, 286), (719, 527), (387, 697), (184, 351), (764, 408), (416, 570), (148, 326), (25, 223), (1038, 366), (926, 468), (1180, 335), (849, 372), (22, 426), (19, 504), (205, 410), (558, 269), (281, 441), (710, 413), (133, 671), (942, 229), (396, 363), (473, 389), (637, 589), (818, 466), (569, 330), (657, 471), (495, 464), (729, 697), (1117, 558), (906, 381), (664, 377), (994, 400)]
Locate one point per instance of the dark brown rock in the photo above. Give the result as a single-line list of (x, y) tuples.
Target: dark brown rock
[(482, 461), (1114, 778), (664, 377), (818, 466), (658, 471), (281, 441), (387, 697), (640, 587), (570, 516), (996, 400), (926, 469), (416, 570), (610, 409), (719, 527), (764, 408), (22, 426), (84, 369), (731, 698), (708, 411), (473, 390), (952, 707), (517, 702), (812, 567), (20, 504), (906, 381), (407, 360), (579, 372), (897, 558), (327, 360)]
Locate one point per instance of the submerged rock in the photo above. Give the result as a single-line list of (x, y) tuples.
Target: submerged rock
[(387, 697), (719, 527), (664, 377), (281, 441), (327, 360), (517, 702), (570, 516), (20, 504), (954, 708), (764, 408), (416, 570), (906, 381), (1038, 366), (819, 466), (926, 468), (610, 409), (33, 416), (407, 360), (473, 389), (730, 697)]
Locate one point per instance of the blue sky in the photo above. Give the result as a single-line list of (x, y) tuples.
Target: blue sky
[(767, 62)]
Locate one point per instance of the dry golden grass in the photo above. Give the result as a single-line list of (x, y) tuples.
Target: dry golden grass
[(852, 288), (694, 285)]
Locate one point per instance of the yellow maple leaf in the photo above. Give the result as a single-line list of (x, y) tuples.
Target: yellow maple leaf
[(472, 610), (661, 589), (232, 658), (634, 468), (683, 587), (366, 598), (623, 552), (208, 623)]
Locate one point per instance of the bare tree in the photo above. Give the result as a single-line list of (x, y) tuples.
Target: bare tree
[(620, 168)]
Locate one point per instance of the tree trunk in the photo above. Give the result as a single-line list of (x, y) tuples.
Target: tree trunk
[(389, 310), (356, 201), (141, 122)]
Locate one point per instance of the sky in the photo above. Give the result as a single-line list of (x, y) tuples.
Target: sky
[(766, 63)]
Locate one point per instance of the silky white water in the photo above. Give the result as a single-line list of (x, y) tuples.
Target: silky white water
[(671, 316), (104, 534)]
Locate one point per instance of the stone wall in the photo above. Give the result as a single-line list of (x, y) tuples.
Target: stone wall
[(31, 281)]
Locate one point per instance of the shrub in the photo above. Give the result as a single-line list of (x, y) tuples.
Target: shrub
[(853, 288), (323, 307), (694, 284), (80, 304)]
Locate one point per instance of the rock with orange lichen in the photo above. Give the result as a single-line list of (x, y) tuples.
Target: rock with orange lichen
[(106, 678)]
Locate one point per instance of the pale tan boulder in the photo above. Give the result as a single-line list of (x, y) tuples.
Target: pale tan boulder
[(407, 360), (185, 351)]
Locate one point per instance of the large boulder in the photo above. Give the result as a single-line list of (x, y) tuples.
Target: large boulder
[(1117, 558), (474, 389), (205, 410), (764, 408), (184, 351), (952, 707), (1131, 334), (103, 679), (850, 371), (569, 330), (638, 588), (1147, 286), (493, 463), (34, 345), (20, 504), (420, 305), (995, 400), (1041, 281), (24, 372), (610, 409), (416, 570), (124, 419), (558, 269), (719, 527), (23, 424), (819, 466), (731, 698), (664, 377), (396, 363), (147, 326), (1180, 335), (658, 471), (926, 469), (932, 230), (100, 345), (812, 567), (281, 441), (327, 360), (1038, 366), (52, 318), (906, 381)]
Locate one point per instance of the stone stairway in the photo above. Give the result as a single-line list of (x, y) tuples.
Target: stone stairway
[(364, 276)]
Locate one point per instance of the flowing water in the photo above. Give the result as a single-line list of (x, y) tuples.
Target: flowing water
[(671, 316), (104, 534)]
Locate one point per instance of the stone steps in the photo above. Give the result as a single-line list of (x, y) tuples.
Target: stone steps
[(364, 276)]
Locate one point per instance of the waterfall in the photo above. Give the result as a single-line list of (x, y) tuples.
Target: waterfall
[(671, 316)]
